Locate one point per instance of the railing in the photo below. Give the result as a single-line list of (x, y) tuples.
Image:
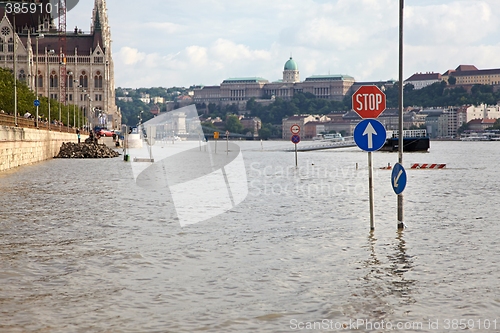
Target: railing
[(8, 120)]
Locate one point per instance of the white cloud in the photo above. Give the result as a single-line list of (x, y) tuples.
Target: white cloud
[(129, 56), (170, 44), (168, 28), (456, 23)]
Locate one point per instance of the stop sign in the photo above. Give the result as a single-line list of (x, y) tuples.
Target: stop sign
[(368, 101)]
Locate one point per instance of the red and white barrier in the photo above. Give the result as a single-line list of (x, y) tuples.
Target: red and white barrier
[(428, 166)]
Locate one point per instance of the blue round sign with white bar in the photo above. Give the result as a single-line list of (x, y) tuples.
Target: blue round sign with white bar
[(36, 102), (370, 134), (295, 138), (398, 178)]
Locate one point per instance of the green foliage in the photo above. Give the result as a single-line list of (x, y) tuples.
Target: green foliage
[(26, 97), (440, 94), (436, 95), (208, 127), (233, 124), (269, 131), (264, 133), (131, 111)]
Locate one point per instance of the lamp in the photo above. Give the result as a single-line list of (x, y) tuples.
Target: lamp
[(36, 77), (74, 106), (50, 52), (70, 73)]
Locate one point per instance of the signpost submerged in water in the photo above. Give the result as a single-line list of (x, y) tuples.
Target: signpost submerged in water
[(295, 130), (369, 134)]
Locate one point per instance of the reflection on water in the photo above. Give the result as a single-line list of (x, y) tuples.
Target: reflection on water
[(384, 290), (83, 248)]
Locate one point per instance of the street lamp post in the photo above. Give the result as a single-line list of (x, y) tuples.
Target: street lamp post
[(15, 70), (74, 105), (47, 61), (36, 78), (89, 121), (69, 74)]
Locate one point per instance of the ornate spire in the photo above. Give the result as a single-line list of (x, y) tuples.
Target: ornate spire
[(100, 23)]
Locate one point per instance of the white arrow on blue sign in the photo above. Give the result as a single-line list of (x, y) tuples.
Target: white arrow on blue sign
[(398, 178), (36, 102), (370, 135)]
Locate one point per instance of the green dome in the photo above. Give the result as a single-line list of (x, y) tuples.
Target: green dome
[(291, 65)]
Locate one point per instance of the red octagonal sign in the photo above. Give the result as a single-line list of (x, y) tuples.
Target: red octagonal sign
[(368, 101)]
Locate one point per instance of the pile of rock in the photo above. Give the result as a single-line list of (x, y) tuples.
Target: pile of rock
[(85, 150)]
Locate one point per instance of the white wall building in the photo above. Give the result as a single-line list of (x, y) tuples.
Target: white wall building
[(483, 112)]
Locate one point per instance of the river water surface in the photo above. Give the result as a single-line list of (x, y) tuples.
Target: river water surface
[(84, 249)]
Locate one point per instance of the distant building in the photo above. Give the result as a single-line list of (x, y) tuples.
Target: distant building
[(240, 90), (483, 112), (480, 124), (470, 75), (145, 98), (254, 124), (158, 100), (88, 78), (421, 80), (184, 100), (155, 109)]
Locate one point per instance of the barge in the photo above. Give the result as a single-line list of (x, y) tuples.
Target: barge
[(413, 141)]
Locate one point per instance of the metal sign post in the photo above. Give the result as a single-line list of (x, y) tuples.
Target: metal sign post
[(216, 138), (370, 135), (295, 140), (400, 153), (370, 189), (37, 104), (295, 130), (227, 142)]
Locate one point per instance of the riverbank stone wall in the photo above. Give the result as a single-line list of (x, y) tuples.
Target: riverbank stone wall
[(23, 146)]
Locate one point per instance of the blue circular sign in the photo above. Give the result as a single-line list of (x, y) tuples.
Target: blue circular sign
[(295, 138), (370, 135), (36, 102), (398, 178)]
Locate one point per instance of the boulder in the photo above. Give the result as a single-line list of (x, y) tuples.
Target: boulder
[(85, 150)]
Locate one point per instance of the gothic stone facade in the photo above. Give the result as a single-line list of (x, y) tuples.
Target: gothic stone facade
[(89, 64)]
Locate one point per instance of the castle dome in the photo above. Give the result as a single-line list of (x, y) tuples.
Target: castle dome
[(291, 65)]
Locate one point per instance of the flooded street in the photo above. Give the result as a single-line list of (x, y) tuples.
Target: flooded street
[(83, 248)]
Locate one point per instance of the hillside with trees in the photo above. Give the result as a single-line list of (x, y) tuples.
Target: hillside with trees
[(438, 94)]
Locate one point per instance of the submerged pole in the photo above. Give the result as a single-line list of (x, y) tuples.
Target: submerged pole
[(296, 161), (370, 190), (400, 157)]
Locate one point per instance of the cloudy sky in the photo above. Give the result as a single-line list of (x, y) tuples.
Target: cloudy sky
[(181, 43)]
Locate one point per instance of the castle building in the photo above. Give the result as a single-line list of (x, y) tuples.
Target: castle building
[(240, 90), (89, 79)]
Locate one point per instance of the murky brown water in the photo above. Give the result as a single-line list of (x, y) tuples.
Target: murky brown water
[(84, 249)]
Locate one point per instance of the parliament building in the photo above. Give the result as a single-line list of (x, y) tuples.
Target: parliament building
[(89, 80)]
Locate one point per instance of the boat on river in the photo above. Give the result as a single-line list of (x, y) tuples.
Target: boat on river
[(485, 136), (413, 141)]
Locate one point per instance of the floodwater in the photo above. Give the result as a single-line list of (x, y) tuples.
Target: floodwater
[(84, 249)]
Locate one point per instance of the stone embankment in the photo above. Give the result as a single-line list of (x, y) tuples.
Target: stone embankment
[(23, 146), (85, 150)]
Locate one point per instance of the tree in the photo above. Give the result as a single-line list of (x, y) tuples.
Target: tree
[(264, 133), (208, 127), (233, 124), (452, 80), (408, 87)]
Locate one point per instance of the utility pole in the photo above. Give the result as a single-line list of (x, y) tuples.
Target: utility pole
[(400, 155)]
